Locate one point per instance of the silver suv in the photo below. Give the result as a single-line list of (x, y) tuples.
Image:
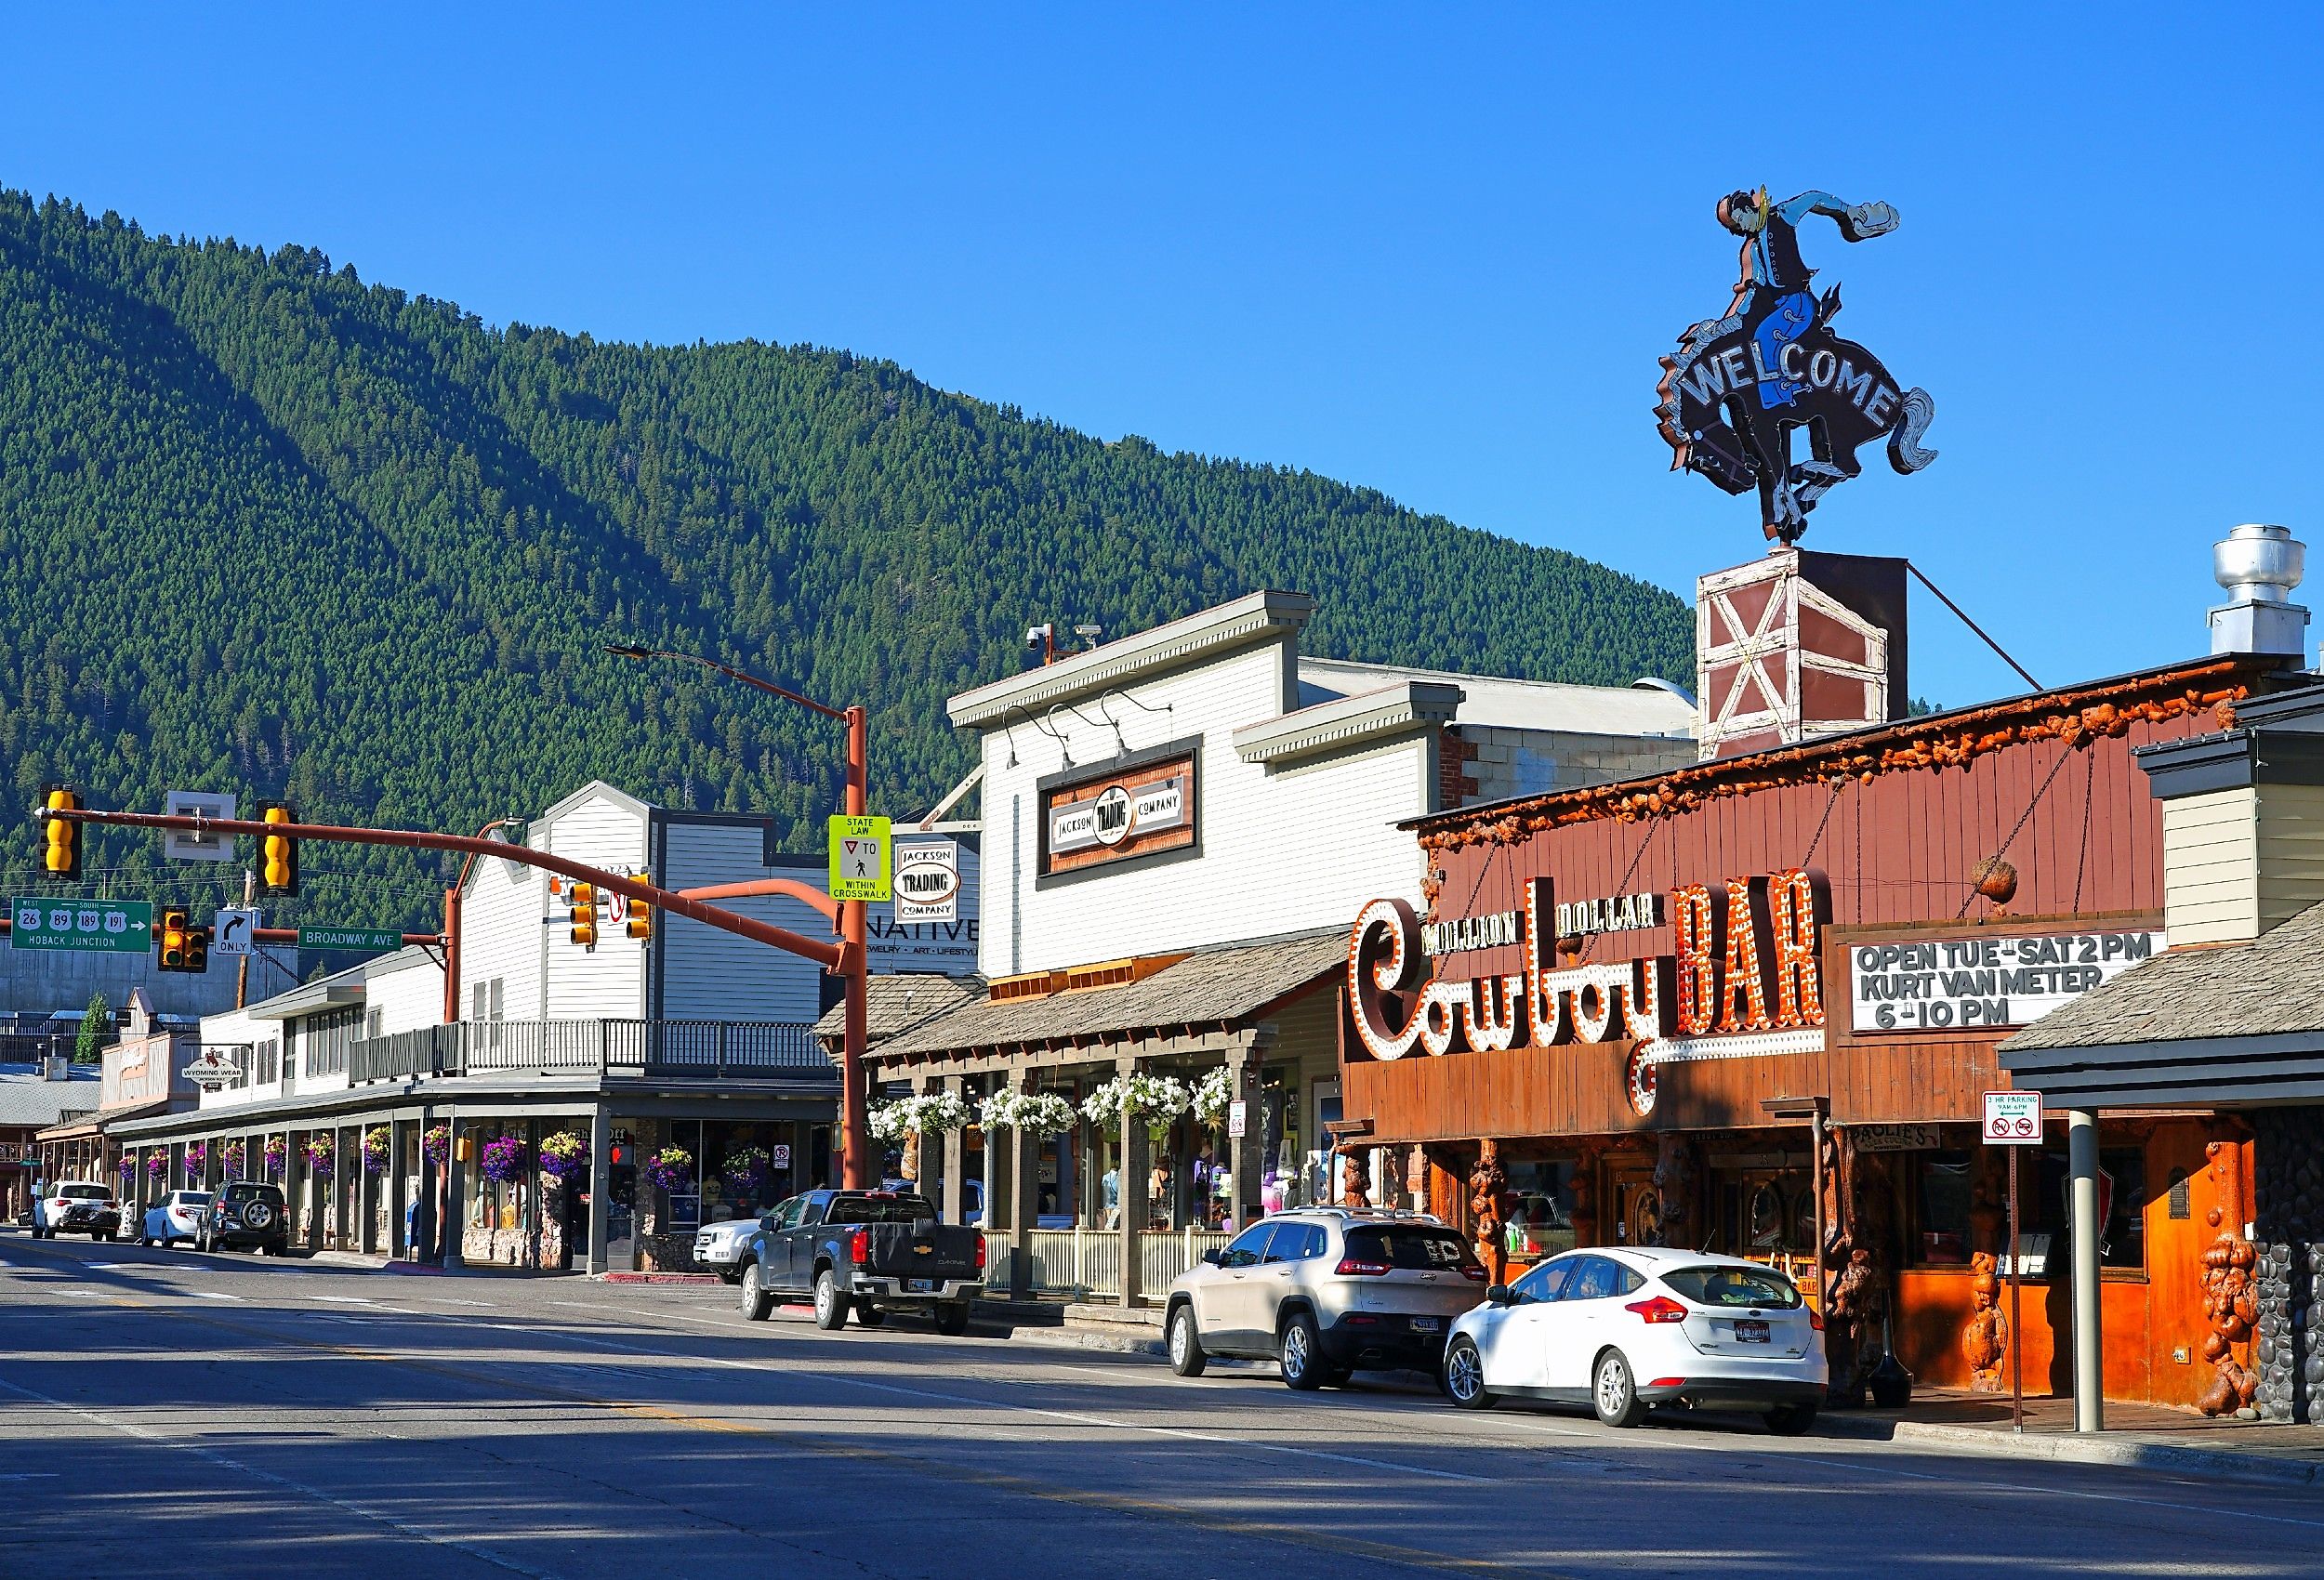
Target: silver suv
[(1326, 1291)]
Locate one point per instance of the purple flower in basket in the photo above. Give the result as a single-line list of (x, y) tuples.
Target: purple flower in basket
[(746, 1170), (319, 1155), (157, 1164), (504, 1159), (375, 1141), (564, 1156), (273, 1155), (197, 1158), (672, 1169), (128, 1165), (231, 1157), (437, 1143)]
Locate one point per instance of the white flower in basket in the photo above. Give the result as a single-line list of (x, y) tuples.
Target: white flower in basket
[(1154, 1100), (928, 1114), (1043, 1113), (1212, 1094)]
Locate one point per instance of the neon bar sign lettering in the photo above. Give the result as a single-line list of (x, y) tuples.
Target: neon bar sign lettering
[(1745, 961)]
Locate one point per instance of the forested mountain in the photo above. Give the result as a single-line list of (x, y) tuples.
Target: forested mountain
[(268, 528)]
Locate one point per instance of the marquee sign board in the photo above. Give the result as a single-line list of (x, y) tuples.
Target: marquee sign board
[(1740, 384), (1127, 811), (1987, 980)]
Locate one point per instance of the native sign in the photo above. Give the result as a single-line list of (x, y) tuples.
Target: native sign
[(1739, 384)]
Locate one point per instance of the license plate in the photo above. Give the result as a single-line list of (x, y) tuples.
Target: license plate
[(1426, 1324), (1750, 1333), (920, 1285)]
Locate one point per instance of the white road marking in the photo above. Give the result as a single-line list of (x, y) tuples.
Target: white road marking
[(211, 1295), (213, 1456), (2075, 1493)]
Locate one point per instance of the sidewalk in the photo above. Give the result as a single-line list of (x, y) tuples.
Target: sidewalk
[(2143, 1435)]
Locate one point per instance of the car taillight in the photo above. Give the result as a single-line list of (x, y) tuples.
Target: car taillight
[(1816, 1319), (1668, 1382), (859, 1249), (1474, 1272), (1351, 1268), (1661, 1309), (980, 1253)]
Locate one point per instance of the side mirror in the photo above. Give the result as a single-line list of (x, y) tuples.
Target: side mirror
[(1213, 1257), (1499, 1296)]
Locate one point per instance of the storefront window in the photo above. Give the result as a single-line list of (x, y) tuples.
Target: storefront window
[(1944, 1184), (1540, 1222), (1955, 1214)]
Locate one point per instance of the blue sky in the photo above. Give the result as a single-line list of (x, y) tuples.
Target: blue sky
[(1432, 250)]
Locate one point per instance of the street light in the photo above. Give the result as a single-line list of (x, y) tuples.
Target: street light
[(856, 1164)]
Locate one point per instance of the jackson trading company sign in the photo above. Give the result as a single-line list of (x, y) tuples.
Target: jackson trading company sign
[(1742, 978), (1138, 810), (1945, 984), (1741, 383)]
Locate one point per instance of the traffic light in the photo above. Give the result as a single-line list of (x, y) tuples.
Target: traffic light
[(176, 938), (61, 855), (583, 915), (278, 853), (640, 922), (198, 948)]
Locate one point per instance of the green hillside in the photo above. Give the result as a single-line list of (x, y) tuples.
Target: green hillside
[(269, 529)]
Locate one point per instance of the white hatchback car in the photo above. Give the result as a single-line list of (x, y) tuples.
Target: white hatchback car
[(1620, 1329)]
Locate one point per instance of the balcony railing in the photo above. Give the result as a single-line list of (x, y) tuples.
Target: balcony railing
[(684, 1050)]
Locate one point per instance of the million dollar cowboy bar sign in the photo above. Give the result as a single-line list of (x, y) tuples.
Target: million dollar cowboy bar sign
[(1741, 980)]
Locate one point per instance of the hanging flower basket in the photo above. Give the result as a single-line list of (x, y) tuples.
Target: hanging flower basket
[(128, 1167), (672, 1169), (564, 1156), (1042, 1113), (504, 1159), (1213, 1094), (1154, 1100), (747, 1170), (197, 1159), (157, 1164), (230, 1158), (273, 1155), (436, 1144), (376, 1140), (928, 1115), (320, 1158)]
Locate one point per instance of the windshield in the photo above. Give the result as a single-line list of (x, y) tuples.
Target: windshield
[(881, 1209), (194, 1198), (1733, 1287), (84, 1193), (1410, 1245)]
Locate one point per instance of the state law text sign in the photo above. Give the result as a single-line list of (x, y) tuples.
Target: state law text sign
[(860, 854)]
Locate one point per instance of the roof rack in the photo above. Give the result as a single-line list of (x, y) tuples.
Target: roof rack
[(1402, 1214)]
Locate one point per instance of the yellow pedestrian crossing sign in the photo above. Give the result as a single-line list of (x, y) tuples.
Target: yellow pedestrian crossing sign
[(861, 855)]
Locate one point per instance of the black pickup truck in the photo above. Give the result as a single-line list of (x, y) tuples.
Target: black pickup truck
[(870, 1251)]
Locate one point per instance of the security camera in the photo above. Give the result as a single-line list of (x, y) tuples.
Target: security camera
[(1036, 637)]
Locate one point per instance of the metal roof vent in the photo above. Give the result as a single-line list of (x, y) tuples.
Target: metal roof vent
[(2259, 564)]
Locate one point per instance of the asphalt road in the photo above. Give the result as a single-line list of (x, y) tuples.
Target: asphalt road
[(165, 1412)]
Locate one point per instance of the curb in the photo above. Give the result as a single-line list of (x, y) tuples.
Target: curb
[(654, 1278), (2221, 1464), (1082, 1339)]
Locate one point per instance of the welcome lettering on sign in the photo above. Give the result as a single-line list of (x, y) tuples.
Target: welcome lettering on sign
[(1744, 961)]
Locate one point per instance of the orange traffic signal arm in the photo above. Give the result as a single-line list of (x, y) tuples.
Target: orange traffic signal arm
[(830, 953), (808, 895)]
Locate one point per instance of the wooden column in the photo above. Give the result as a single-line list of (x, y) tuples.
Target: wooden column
[(995, 1184), (1243, 1150), (601, 1179), (454, 1232), (398, 1189), (1024, 1205), (955, 1155), (1132, 1192), (367, 1200)]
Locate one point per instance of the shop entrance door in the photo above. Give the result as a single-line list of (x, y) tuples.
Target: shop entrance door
[(1637, 1206)]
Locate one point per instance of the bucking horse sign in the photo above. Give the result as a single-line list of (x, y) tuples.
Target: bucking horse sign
[(1740, 384)]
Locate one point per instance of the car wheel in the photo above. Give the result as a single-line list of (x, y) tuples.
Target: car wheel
[(1790, 1420), (1464, 1376), (1187, 1358), (757, 1300), (1302, 1354), (830, 1305), (952, 1318), (870, 1316), (1615, 1392)]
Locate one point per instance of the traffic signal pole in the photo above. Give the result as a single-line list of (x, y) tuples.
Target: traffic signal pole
[(854, 1116), (825, 952)]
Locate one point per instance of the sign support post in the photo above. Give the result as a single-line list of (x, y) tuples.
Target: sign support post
[(2014, 1120)]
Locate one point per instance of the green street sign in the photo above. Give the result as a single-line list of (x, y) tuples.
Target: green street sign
[(349, 938), (862, 858), (112, 927)]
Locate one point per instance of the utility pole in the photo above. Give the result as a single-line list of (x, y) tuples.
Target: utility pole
[(242, 967)]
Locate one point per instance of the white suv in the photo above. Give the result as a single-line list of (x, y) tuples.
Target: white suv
[(76, 1206), (1326, 1291)]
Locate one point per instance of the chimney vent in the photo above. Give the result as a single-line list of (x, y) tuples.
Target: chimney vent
[(2259, 565)]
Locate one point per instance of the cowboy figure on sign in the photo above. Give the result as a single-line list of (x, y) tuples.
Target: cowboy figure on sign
[(1740, 384)]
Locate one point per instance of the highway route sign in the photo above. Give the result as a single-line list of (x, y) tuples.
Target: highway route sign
[(2013, 1119), (234, 932), (112, 927), (862, 853)]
